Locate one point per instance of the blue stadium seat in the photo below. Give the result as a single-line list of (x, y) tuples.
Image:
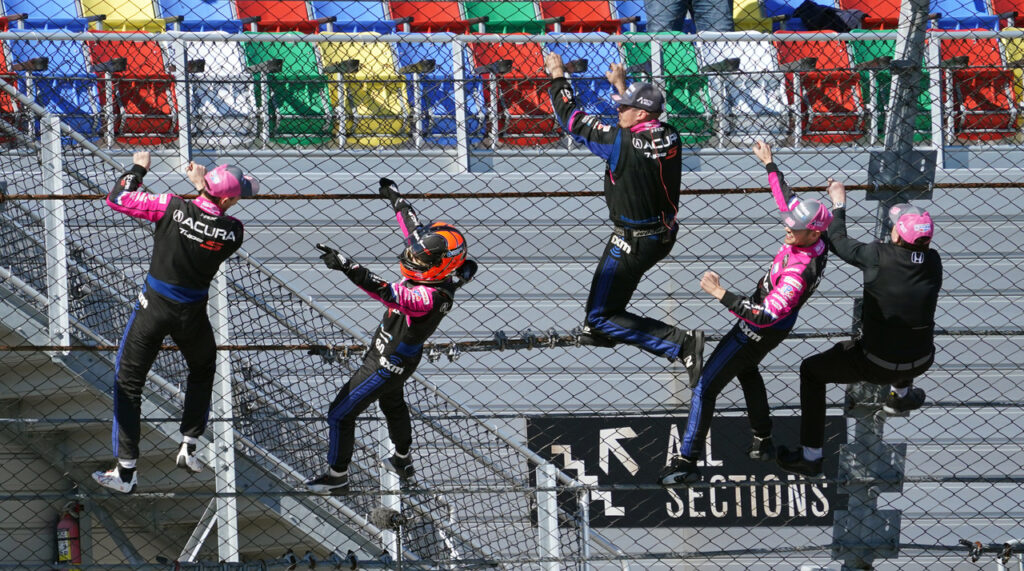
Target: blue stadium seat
[(56, 14), (436, 97), (631, 8), (203, 15), (964, 15), (354, 16), (67, 88)]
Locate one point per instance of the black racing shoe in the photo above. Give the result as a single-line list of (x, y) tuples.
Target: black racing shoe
[(793, 461), (328, 485), (590, 336), (401, 466), (902, 405), (762, 449), (693, 359), (681, 472)]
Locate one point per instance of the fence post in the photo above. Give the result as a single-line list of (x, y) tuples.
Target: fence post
[(462, 127), (584, 525), (547, 516), (223, 455), (56, 234), (389, 482)]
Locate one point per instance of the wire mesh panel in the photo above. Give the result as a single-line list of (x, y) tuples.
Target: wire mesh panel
[(457, 112)]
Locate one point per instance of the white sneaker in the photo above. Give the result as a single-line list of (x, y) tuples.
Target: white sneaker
[(188, 459), (112, 479)]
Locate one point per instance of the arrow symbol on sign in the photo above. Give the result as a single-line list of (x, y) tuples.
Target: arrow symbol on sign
[(610, 443)]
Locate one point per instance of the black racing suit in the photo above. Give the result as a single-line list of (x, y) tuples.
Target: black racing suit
[(414, 311), (896, 344), (641, 187), (191, 240), (765, 320)]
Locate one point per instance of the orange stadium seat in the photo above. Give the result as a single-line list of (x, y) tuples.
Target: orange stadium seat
[(979, 89), (827, 94), (140, 91)]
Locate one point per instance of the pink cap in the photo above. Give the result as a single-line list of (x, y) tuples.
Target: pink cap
[(228, 181), (911, 222), (808, 215)]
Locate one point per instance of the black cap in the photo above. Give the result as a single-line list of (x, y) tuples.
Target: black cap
[(641, 95)]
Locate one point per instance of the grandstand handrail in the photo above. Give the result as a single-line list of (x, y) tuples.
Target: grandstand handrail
[(497, 432)]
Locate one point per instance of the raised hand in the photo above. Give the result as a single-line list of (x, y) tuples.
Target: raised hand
[(334, 259)]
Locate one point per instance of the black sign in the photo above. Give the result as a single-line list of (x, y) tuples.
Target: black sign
[(631, 451)]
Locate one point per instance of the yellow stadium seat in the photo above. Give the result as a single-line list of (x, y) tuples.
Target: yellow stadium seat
[(370, 98)]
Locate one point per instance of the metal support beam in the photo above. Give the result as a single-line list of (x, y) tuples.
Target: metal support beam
[(223, 460), (56, 234), (547, 516)]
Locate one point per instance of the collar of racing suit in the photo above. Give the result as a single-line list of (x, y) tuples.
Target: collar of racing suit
[(645, 126), (814, 250), (208, 206)]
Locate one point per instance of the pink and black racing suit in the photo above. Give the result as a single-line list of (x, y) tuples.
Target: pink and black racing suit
[(413, 312), (191, 240), (765, 319)]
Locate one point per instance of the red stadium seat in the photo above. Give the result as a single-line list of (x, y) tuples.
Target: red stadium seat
[(279, 15), (144, 107), (979, 89), (430, 17), (8, 106), (585, 16), (524, 115), (881, 14), (828, 96)]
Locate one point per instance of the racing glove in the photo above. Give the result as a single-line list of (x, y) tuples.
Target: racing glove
[(334, 259), (388, 191), (466, 272)]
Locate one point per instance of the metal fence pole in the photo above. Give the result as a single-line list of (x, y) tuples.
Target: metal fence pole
[(547, 516), (56, 234), (459, 86), (223, 461), (389, 482)]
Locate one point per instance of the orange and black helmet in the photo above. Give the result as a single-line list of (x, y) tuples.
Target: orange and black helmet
[(435, 255)]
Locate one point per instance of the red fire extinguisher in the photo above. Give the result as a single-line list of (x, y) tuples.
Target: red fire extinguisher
[(69, 543)]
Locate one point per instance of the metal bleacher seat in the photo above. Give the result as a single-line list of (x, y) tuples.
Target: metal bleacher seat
[(297, 94), (822, 88)]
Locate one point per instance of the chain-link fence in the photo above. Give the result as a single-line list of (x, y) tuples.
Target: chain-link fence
[(532, 450)]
